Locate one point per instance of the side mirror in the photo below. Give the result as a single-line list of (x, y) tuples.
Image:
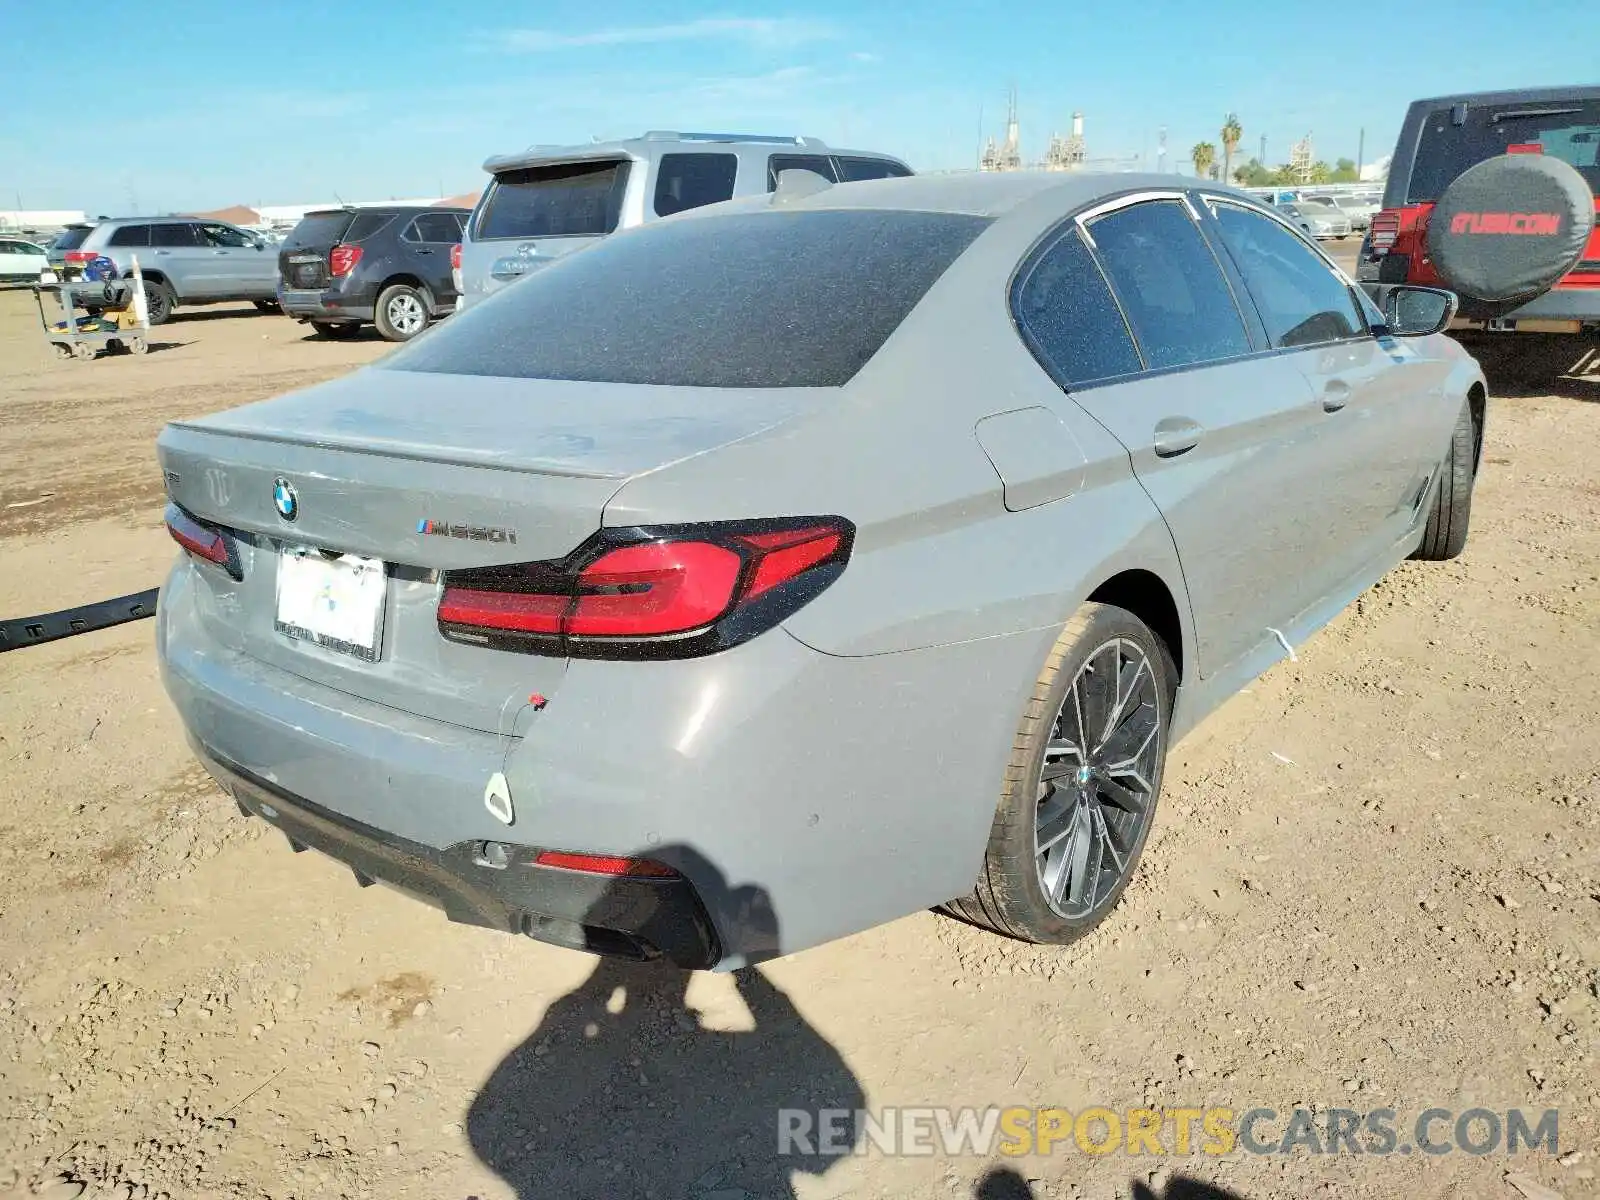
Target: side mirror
[(1418, 311)]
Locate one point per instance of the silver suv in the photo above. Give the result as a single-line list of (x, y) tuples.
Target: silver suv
[(184, 260), (549, 201)]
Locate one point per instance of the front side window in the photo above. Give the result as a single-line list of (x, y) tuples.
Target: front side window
[(744, 300), (685, 181), (433, 227), (1301, 301), (1069, 318), (819, 163), (1169, 284), (226, 237), (130, 235), (556, 200)]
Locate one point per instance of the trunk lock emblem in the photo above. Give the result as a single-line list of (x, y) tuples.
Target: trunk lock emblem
[(284, 499)]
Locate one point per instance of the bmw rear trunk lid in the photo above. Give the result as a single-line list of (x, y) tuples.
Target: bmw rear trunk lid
[(426, 473)]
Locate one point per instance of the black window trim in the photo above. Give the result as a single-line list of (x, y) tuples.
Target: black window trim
[(1367, 331), (1197, 201)]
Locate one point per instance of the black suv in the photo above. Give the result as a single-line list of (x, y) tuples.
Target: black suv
[(388, 265)]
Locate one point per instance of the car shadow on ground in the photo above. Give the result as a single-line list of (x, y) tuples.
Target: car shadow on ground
[(1006, 1184), (1519, 365), (624, 1091)]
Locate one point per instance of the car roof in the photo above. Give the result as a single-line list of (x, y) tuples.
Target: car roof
[(1516, 96), (667, 141), (392, 209)]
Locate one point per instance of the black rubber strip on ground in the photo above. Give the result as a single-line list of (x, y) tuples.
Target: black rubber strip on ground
[(34, 631)]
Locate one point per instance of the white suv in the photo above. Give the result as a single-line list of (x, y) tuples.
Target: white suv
[(550, 201)]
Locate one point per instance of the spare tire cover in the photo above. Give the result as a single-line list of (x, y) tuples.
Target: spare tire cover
[(1509, 228)]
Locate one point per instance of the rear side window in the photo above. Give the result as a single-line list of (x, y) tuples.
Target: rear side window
[(853, 170), (130, 235), (1570, 132), (685, 181), (755, 300), (820, 163), (318, 231), (1170, 286), (1069, 318), (1300, 300), (560, 200), (175, 235), (365, 225), (70, 239)]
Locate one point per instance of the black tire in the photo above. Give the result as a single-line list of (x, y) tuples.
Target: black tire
[(1010, 896), (337, 330), (267, 306), (158, 301), (1446, 533), (402, 312)]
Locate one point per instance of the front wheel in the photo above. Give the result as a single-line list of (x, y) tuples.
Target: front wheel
[(1080, 790), (402, 312)]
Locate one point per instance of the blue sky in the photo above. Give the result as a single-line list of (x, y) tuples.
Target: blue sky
[(368, 99)]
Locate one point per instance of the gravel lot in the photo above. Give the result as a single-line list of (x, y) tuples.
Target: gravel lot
[(1374, 882)]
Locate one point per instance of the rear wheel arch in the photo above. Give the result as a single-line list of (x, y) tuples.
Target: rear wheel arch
[(1147, 596), (409, 280)]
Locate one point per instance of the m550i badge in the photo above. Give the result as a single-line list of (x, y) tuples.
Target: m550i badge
[(469, 533)]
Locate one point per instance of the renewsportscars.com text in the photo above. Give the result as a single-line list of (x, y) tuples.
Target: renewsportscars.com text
[(1212, 1131)]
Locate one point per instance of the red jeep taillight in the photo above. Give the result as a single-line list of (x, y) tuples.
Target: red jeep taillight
[(200, 540), (1385, 229), (667, 592), (342, 259)]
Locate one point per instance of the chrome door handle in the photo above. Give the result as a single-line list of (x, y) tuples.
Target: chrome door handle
[(1175, 436), (1335, 396)]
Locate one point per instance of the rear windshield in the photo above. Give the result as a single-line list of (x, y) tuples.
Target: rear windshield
[(70, 239), (558, 200), (1568, 131), (319, 230), (759, 300)]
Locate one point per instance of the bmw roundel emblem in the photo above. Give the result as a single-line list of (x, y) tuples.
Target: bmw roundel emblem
[(285, 499)]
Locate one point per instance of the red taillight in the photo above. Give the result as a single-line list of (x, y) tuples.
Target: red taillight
[(1385, 229), (605, 864), (682, 587), (199, 540), (455, 257), (81, 256), (342, 259)]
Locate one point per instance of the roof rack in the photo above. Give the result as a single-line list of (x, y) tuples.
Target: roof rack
[(672, 135)]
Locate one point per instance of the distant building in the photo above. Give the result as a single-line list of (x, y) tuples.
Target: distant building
[(1006, 157), (1067, 153), (19, 222)]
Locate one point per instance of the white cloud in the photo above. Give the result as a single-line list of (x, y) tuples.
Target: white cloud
[(866, 56), (760, 31)]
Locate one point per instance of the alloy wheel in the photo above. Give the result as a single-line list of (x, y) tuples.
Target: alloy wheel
[(405, 314), (1096, 787)]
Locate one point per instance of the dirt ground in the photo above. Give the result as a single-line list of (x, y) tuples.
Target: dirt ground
[(1374, 882)]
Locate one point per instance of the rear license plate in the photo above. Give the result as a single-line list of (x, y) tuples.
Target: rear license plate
[(305, 276), (335, 602)]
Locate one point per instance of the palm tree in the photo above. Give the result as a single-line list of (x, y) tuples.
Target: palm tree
[(1204, 154), (1232, 131)]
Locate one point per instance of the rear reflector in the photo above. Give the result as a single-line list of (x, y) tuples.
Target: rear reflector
[(683, 589), (605, 864), (202, 541)]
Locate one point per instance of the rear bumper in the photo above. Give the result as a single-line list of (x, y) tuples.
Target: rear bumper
[(639, 918), (324, 305)]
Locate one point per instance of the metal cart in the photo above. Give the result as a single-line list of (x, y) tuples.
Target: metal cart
[(72, 341)]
